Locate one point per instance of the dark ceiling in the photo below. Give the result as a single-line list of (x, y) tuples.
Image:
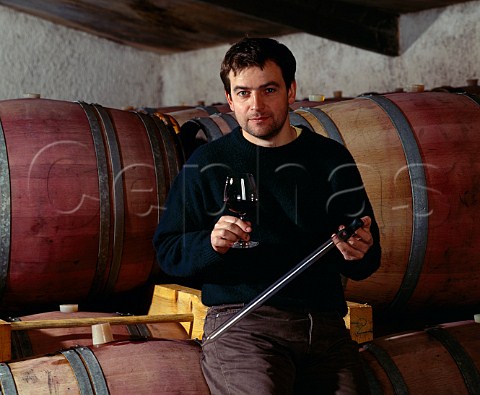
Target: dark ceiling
[(169, 26)]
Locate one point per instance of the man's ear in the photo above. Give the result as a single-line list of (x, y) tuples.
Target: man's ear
[(292, 92), (229, 101)]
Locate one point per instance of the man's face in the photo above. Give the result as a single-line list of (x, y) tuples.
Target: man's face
[(261, 102)]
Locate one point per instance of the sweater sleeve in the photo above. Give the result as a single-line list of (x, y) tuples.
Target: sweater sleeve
[(350, 200), (182, 238)]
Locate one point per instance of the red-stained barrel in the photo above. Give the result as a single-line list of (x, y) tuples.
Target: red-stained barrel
[(35, 342), (143, 368), (444, 359), (81, 191)]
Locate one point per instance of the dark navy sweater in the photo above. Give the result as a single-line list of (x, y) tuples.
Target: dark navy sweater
[(307, 188)]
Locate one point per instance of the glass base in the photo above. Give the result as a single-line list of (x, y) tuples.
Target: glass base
[(245, 244)]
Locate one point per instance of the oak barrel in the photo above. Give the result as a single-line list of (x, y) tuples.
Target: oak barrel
[(34, 342), (184, 115), (143, 367), (81, 190), (310, 103), (418, 157), (201, 130), (441, 360), (417, 153)]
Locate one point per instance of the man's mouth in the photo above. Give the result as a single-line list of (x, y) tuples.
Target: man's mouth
[(259, 118)]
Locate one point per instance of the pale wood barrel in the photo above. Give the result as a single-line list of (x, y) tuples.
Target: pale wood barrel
[(418, 157), (187, 114), (201, 130), (417, 153), (441, 360), (143, 367)]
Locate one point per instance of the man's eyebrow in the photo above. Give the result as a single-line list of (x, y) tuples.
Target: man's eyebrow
[(242, 88)]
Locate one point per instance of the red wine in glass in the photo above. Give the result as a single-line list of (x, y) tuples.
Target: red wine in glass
[(241, 198)]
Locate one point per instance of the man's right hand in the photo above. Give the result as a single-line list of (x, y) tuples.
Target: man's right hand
[(227, 231)]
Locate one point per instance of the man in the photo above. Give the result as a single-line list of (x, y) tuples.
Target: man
[(308, 187)]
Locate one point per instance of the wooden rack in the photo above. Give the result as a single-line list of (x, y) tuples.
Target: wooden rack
[(173, 303), (6, 328), (173, 298)]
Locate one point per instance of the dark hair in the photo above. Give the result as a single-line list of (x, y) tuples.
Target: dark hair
[(255, 52)]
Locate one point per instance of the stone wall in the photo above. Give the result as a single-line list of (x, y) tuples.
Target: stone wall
[(65, 64)]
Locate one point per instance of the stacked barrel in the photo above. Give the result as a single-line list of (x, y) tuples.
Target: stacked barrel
[(82, 188), (417, 154)]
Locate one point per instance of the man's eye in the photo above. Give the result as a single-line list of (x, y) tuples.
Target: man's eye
[(243, 93), (270, 90)]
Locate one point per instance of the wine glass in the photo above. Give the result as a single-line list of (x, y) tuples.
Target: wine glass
[(240, 196)]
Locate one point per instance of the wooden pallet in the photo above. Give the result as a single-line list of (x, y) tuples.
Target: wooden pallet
[(176, 299)]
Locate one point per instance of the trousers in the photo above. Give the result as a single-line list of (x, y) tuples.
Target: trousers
[(280, 351)]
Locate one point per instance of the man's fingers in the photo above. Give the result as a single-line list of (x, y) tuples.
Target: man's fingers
[(358, 244), (227, 231), (228, 220)]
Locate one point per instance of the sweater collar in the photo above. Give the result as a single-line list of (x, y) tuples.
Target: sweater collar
[(243, 143)]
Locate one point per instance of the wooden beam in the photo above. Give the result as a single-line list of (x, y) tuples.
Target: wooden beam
[(164, 26), (169, 26), (6, 328), (79, 322), (370, 28)]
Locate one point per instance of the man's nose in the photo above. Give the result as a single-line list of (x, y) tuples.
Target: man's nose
[(257, 101)]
